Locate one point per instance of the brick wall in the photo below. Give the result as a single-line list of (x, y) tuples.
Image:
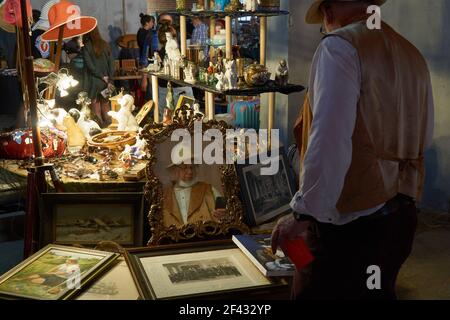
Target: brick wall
[(164, 5)]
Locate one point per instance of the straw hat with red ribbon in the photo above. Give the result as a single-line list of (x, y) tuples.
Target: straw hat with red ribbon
[(67, 15)]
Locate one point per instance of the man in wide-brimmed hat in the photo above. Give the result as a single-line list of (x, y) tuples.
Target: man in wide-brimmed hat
[(366, 122), (189, 200)]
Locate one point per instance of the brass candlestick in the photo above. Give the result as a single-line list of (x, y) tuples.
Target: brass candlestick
[(240, 67)]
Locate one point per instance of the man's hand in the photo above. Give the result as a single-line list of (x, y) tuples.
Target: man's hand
[(106, 79), (287, 229)]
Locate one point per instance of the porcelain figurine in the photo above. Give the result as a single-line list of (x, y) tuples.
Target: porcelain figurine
[(85, 103), (86, 125), (166, 66), (170, 104), (221, 85), (282, 74), (233, 6), (125, 118), (231, 75), (173, 52), (75, 136), (220, 4), (189, 73)]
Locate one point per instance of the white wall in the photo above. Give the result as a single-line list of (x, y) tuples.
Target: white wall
[(110, 15)]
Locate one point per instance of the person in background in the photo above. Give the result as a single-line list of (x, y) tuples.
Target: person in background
[(200, 35), (98, 71), (144, 38)]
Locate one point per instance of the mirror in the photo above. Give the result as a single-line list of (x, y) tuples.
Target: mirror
[(189, 201)]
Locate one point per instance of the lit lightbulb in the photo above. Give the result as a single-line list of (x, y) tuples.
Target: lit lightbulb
[(74, 82)]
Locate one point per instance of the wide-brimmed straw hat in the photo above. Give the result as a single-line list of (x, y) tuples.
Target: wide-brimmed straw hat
[(315, 16), (67, 15), (43, 23)]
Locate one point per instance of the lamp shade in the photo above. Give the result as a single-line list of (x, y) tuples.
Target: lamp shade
[(67, 15)]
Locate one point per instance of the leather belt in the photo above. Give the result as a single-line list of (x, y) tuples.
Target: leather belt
[(392, 206)]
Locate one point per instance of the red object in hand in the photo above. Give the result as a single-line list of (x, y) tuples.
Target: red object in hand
[(299, 253)]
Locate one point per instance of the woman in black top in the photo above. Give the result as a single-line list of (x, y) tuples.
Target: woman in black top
[(98, 73), (144, 38)]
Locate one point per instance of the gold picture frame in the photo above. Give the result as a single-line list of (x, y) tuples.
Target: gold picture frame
[(185, 100), (233, 223), (47, 275), (145, 110)]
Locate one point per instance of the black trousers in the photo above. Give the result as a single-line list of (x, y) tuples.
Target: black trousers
[(344, 253)]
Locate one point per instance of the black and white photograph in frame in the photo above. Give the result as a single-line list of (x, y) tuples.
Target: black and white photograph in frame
[(267, 196)]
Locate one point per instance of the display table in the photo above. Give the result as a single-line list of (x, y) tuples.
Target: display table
[(78, 185)]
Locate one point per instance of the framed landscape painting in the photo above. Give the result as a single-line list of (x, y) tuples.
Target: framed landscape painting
[(89, 218), (54, 273)]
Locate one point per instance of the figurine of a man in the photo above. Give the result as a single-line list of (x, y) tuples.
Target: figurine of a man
[(282, 75)]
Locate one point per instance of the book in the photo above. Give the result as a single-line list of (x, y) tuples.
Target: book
[(258, 249)]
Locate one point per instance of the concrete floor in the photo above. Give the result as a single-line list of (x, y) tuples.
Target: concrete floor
[(426, 274)]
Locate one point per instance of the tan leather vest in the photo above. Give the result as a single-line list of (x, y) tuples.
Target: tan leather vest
[(389, 137), (201, 205)]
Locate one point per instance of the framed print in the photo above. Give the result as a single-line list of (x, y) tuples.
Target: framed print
[(116, 284), (49, 274), (185, 100), (209, 270), (143, 113), (89, 218), (266, 196)]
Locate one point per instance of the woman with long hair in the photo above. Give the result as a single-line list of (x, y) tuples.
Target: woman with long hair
[(98, 72), (144, 38)]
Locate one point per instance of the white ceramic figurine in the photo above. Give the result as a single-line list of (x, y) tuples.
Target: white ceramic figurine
[(125, 118), (231, 75)]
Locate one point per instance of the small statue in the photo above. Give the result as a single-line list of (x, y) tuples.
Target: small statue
[(157, 61), (231, 75), (210, 72), (189, 73), (169, 97), (220, 4), (173, 52), (166, 66), (221, 85), (251, 5), (282, 74), (125, 118), (85, 103), (219, 66), (197, 110)]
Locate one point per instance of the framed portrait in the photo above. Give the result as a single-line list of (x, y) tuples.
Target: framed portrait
[(145, 110), (116, 284), (89, 218), (185, 100), (267, 196), (189, 199), (208, 270), (54, 273)]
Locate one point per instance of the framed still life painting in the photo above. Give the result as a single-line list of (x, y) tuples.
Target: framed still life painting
[(266, 196), (207, 270), (54, 273), (89, 218)]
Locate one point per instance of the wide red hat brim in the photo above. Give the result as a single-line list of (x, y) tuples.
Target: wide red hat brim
[(87, 24)]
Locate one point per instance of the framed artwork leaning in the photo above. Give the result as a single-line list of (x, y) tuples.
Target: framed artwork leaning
[(55, 273), (266, 196), (89, 218), (209, 270)]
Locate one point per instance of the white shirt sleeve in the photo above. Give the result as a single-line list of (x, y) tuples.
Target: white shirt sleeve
[(335, 87)]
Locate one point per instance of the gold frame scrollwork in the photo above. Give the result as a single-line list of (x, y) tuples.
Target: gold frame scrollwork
[(157, 133)]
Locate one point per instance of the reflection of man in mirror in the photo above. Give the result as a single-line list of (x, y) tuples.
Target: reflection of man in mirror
[(189, 200)]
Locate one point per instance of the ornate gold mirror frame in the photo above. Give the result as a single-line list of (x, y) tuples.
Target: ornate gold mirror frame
[(233, 223)]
